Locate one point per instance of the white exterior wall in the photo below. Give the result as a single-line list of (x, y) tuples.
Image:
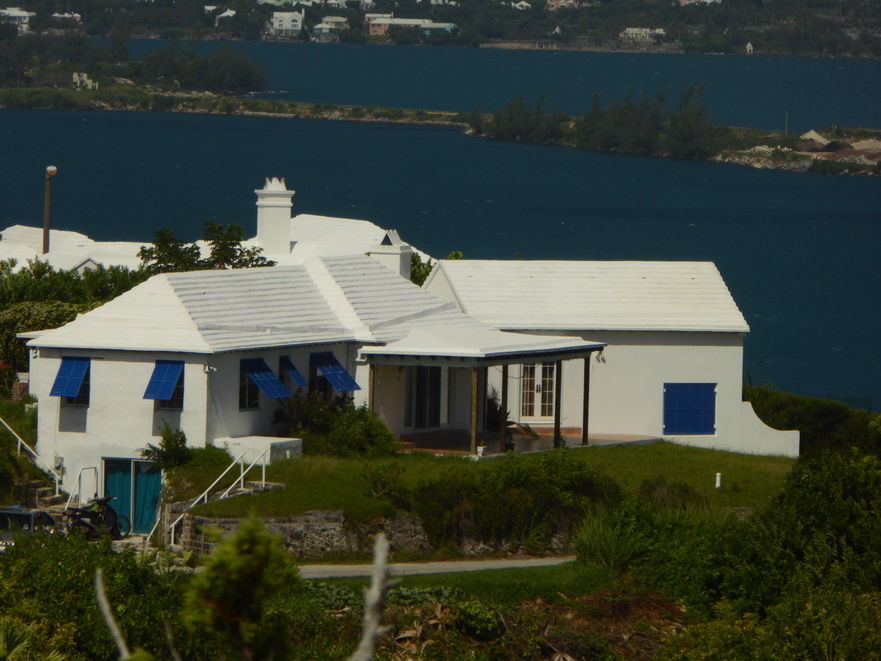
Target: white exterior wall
[(627, 388), (118, 421)]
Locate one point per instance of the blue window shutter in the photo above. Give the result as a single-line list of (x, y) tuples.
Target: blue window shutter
[(336, 374), (689, 408), (265, 379), (288, 366), (70, 376), (166, 374)]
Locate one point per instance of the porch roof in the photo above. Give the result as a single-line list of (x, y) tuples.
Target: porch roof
[(475, 346)]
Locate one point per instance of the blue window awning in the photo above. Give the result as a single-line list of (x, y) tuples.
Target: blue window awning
[(70, 376), (265, 379), (166, 374), (288, 366), (336, 374)]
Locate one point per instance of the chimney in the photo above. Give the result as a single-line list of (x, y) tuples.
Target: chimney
[(274, 217), (393, 253)]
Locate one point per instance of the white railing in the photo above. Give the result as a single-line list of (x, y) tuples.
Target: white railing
[(34, 455), (203, 497), (77, 488)]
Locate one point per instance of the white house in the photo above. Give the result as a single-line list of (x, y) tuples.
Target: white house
[(18, 17), (673, 363), (212, 352), (286, 23)]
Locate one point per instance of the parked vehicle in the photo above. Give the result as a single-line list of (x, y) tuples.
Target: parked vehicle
[(99, 519), (17, 520)]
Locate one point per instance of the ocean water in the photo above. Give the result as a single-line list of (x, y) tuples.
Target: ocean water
[(799, 252), (773, 93)]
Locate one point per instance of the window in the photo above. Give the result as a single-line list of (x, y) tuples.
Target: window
[(427, 402), (249, 394), (256, 377), (166, 385), (689, 408), (325, 370), (289, 373), (82, 396), (72, 381)]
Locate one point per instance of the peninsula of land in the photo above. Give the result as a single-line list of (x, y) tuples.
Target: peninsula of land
[(823, 151)]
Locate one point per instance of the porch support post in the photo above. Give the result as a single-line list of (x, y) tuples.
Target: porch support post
[(370, 395), (558, 395), (473, 410), (585, 417), (503, 410)]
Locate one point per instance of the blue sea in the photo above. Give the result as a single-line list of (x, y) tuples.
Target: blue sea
[(799, 252)]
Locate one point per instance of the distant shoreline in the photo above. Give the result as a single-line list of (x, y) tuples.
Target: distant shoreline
[(133, 98)]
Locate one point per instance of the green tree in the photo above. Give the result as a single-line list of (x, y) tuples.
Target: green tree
[(229, 594), (690, 131), (168, 254), (172, 450)]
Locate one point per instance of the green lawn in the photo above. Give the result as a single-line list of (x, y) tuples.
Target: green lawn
[(747, 480), (508, 587), (336, 483)]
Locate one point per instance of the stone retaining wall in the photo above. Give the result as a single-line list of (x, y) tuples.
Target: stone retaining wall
[(313, 534)]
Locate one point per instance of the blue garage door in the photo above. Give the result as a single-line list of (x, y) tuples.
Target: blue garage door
[(689, 408), (136, 486)]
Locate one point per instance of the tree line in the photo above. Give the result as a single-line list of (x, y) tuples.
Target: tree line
[(38, 60), (642, 126)]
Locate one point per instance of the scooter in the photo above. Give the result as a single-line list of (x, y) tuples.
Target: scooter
[(99, 519)]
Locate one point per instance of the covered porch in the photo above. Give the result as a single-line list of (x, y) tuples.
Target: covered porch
[(430, 387)]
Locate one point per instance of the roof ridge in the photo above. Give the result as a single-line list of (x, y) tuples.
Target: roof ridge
[(338, 302)]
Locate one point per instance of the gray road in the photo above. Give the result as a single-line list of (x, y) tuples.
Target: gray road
[(415, 568)]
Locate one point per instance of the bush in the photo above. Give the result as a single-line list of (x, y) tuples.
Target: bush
[(172, 451), (523, 499), (335, 426)]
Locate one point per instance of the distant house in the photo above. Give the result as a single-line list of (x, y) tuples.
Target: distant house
[(227, 13), (522, 5), (642, 35), (18, 17), (286, 24), (673, 363), (81, 81), (554, 5), (382, 25), (328, 29)]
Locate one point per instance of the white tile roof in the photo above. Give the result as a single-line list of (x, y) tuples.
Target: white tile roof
[(482, 344), (321, 300), (596, 295)]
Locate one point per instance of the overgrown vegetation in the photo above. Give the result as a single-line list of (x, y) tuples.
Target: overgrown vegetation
[(639, 127), (524, 501), (333, 425), (172, 450)]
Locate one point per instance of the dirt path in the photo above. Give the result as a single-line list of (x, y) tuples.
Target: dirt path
[(415, 568)]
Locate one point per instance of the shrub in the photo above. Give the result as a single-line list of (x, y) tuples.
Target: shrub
[(172, 451), (524, 499), (611, 544), (335, 426)]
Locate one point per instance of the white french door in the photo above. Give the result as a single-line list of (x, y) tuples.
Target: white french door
[(537, 396)]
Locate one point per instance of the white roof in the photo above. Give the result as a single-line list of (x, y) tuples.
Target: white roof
[(590, 295), (67, 250), (481, 345), (321, 300)]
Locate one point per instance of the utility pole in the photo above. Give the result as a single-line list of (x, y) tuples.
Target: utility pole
[(47, 206)]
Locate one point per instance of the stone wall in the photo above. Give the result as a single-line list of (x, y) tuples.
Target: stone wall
[(313, 534)]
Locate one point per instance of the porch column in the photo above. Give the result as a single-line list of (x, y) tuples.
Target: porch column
[(503, 410), (372, 382), (558, 386), (585, 416), (473, 410)]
